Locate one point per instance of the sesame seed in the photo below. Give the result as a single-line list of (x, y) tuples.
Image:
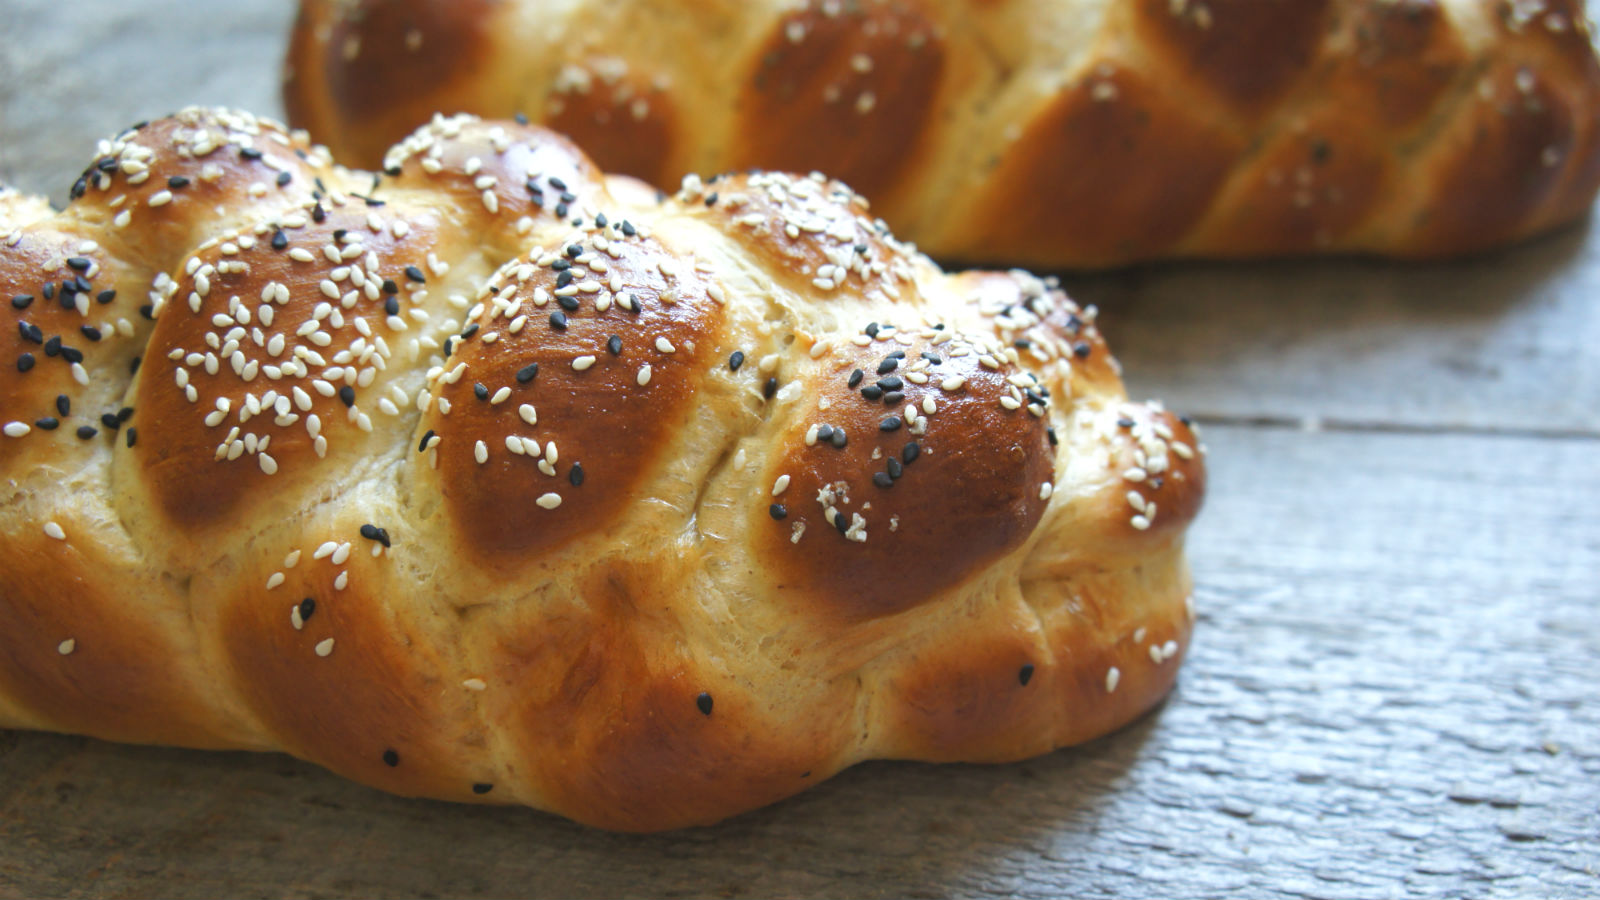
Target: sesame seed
[(274, 580), (664, 345), (780, 485), (66, 647), (704, 703), (1045, 490), (475, 684), (582, 363), (575, 477), (527, 373), (52, 529), (16, 429), (480, 452), (778, 511), (391, 758), (644, 375), (736, 360), (890, 423), (324, 647), (1113, 676), (549, 501), (1025, 675)]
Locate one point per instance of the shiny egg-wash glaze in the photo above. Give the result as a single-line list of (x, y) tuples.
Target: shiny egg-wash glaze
[(1041, 132), (492, 478)]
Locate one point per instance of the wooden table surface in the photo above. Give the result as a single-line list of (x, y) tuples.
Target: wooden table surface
[(1392, 691)]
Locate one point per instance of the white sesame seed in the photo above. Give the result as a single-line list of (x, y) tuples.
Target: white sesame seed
[(324, 647), (268, 464), (503, 394), (582, 363), (342, 581), (1140, 523), (160, 198), (528, 414), (66, 647), (953, 383), (325, 550), (274, 580), (780, 485), (1045, 490), (664, 345), (54, 530), (480, 452), (17, 429), (474, 684), (1113, 676), (644, 375), (340, 555), (549, 501)]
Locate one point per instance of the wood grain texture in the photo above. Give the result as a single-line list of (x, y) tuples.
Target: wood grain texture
[(1391, 693)]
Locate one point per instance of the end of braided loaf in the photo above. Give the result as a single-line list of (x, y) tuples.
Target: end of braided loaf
[(493, 478)]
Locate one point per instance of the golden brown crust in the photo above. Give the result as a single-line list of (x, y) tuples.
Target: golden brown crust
[(496, 479), (1032, 131)]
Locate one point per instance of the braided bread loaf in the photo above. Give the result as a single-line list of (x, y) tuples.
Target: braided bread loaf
[(497, 479), (1041, 132)]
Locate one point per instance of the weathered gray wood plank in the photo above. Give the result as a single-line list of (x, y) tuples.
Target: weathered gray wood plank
[(1392, 694)]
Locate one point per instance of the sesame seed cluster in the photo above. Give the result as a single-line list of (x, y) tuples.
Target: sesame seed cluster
[(489, 476)]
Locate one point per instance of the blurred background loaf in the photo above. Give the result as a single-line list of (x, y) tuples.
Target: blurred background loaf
[(1047, 133)]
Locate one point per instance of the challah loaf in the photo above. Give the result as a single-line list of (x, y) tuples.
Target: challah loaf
[(1043, 132), (493, 478)]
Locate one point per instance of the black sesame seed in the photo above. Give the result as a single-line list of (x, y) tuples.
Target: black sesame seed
[(90, 332), (888, 365), (389, 287), (133, 365), (479, 391), (911, 452), (526, 373), (839, 439), (1025, 674), (25, 362), (872, 392), (890, 423), (284, 178), (124, 414), (614, 345), (933, 358), (308, 608), (770, 388), (391, 306), (374, 533), (318, 214), (825, 433), (561, 210), (30, 332), (1125, 422), (449, 346), (898, 354), (882, 479), (1022, 343), (109, 420), (21, 301), (148, 310), (839, 521), (872, 330), (704, 702), (347, 395), (711, 199), (64, 404), (469, 331), (558, 320), (893, 398), (86, 432), (105, 297), (415, 274), (133, 437), (855, 378), (250, 153), (1051, 434), (778, 511), (570, 304), (482, 787), (600, 221), (736, 360), (574, 251), (177, 182), (895, 468), (49, 291), (575, 477), (892, 383), (557, 183), (561, 265), (48, 423), (422, 446), (521, 118), (628, 229), (391, 758), (564, 278), (72, 354), (78, 263), (1081, 349)]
